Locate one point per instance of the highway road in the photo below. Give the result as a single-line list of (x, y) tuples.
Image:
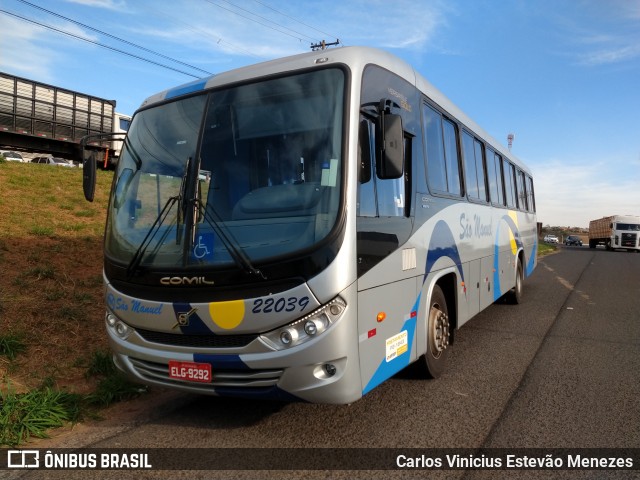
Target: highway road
[(561, 370)]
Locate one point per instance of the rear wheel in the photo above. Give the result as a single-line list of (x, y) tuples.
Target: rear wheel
[(515, 294), (438, 334)]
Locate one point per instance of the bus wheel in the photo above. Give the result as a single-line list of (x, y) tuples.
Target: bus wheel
[(438, 334), (515, 295)]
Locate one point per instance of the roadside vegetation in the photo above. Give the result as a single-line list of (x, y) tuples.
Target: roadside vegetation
[(54, 362), (546, 248)]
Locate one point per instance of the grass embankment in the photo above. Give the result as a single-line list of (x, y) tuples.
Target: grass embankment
[(545, 248), (54, 361)]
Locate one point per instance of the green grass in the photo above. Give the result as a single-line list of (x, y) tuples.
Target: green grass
[(34, 413), (545, 248), (11, 345), (41, 231), (52, 293), (113, 385)]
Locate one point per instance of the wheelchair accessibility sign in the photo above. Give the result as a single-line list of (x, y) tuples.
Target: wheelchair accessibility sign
[(203, 247)]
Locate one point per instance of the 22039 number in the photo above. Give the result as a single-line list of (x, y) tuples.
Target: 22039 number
[(281, 304)]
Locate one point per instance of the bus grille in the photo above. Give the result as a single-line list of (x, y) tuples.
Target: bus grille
[(159, 372), (629, 240), (197, 341)]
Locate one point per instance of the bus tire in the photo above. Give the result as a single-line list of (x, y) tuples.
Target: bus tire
[(515, 294), (438, 334)]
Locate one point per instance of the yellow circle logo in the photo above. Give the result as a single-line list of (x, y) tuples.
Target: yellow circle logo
[(227, 315)]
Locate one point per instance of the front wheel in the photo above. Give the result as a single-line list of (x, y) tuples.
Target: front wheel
[(438, 334)]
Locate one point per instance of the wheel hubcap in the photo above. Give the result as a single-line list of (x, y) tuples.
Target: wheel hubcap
[(439, 331)]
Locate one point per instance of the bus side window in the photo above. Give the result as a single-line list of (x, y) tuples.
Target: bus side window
[(366, 206), (378, 197), (509, 183), (474, 167), (443, 161), (530, 195), (522, 193), (493, 174)]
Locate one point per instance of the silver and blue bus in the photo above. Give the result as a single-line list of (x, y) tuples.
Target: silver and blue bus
[(305, 228)]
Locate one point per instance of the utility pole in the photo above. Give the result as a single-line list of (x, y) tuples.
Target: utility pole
[(323, 45)]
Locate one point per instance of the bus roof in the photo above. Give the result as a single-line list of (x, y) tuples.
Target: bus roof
[(356, 58)]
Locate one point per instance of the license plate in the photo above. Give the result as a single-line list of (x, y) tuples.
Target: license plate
[(190, 371)]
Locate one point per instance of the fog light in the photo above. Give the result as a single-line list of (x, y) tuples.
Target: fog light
[(122, 330), (330, 369), (288, 336), (110, 319), (310, 327)]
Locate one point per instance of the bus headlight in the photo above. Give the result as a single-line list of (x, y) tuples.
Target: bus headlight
[(306, 328), (117, 326)]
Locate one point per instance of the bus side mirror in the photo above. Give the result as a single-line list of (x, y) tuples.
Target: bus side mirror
[(390, 147), (89, 176)]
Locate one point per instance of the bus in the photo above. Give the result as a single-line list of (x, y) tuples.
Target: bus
[(305, 228)]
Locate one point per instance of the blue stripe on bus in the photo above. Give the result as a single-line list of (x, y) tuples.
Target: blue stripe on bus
[(442, 244), (185, 89), (388, 369), (221, 361), (531, 265)]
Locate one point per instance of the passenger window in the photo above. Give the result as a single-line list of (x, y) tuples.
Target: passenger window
[(443, 163), (494, 175), (531, 201), (522, 193), (509, 183), (451, 157), (474, 167)]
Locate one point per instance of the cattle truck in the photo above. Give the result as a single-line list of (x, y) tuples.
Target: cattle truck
[(617, 231), (36, 117)]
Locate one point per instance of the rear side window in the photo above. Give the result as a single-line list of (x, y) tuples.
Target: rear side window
[(531, 199)]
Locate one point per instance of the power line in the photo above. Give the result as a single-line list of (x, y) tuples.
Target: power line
[(98, 44), (115, 37), (218, 39), (259, 22), (328, 35)]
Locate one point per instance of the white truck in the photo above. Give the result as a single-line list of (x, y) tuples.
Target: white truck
[(617, 231)]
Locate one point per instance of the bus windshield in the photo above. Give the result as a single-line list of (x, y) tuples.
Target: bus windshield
[(254, 169)]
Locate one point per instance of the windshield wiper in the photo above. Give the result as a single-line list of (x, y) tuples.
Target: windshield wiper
[(236, 252), (134, 264)]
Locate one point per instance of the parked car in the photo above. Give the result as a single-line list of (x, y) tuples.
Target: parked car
[(11, 156), (551, 239), (59, 162), (573, 240)]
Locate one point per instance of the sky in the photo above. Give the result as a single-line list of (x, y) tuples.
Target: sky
[(562, 75)]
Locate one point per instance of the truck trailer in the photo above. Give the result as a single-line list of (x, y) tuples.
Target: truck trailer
[(616, 231), (36, 117)]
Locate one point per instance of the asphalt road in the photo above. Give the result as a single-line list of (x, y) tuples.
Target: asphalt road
[(561, 370)]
